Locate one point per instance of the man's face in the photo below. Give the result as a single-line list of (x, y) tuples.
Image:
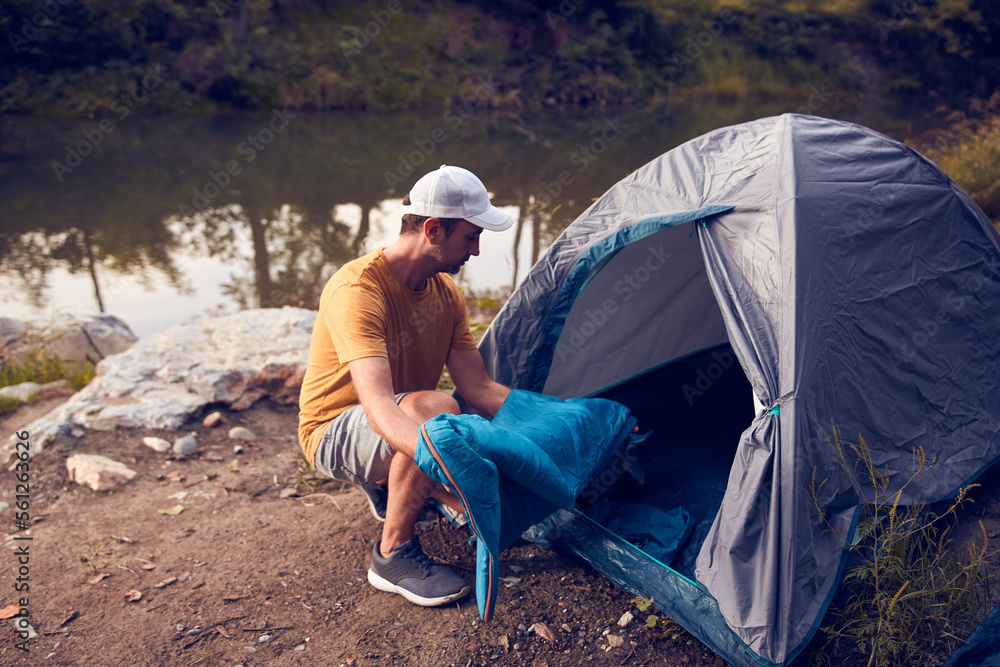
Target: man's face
[(455, 249)]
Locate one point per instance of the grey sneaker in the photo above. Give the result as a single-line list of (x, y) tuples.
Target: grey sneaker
[(378, 498), (409, 572)]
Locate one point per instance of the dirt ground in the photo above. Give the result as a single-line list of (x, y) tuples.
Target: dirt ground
[(248, 575)]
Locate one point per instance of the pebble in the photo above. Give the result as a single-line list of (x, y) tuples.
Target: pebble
[(156, 444), (180, 627), (241, 433), (212, 420), (300, 647), (264, 638), (24, 628), (185, 445), (625, 619)]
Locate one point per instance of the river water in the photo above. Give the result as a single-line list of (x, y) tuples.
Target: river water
[(159, 218)]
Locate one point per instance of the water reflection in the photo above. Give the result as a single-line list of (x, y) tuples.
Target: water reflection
[(170, 216)]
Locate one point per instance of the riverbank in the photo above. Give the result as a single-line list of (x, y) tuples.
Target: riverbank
[(245, 568), (448, 54)]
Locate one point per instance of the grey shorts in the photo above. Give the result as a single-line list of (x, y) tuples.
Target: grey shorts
[(351, 451)]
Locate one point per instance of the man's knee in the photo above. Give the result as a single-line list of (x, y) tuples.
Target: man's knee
[(422, 405)]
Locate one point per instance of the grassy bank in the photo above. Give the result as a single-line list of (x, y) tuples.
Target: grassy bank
[(100, 57), (968, 150)]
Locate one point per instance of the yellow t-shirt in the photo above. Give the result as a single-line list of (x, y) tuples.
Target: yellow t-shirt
[(366, 311)]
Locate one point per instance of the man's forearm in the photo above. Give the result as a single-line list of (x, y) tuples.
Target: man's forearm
[(389, 421), (488, 398)]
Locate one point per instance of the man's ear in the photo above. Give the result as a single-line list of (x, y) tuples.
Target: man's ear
[(433, 230)]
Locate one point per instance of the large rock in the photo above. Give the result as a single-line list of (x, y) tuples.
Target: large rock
[(74, 338), (162, 380)]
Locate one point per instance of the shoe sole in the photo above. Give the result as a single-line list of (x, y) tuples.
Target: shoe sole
[(388, 587)]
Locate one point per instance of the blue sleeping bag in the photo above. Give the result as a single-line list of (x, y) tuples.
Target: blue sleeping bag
[(510, 473)]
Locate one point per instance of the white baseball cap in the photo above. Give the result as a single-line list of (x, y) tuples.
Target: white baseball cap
[(453, 192)]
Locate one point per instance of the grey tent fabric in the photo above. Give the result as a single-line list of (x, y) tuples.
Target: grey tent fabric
[(858, 287)]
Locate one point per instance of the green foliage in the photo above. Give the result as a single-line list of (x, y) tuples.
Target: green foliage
[(36, 365), (944, 46), (9, 404), (93, 553), (306, 480), (444, 382), (911, 595), (669, 629), (968, 150), (86, 58)]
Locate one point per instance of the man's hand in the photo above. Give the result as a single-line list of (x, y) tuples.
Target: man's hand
[(469, 375)]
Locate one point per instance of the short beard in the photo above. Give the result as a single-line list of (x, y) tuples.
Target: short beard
[(442, 267)]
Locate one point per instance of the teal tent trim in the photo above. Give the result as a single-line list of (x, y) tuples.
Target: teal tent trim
[(584, 270), (685, 601)]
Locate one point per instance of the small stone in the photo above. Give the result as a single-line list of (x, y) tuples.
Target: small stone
[(545, 632), (241, 433), (264, 638), (517, 647), (185, 445), (211, 420), (26, 628), (194, 631), (180, 627), (98, 472), (300, 647), (565, 627), (156, 444), (77, 432), (615, 641), (625, 619)]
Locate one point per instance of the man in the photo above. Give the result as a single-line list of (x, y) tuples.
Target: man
[(387, 324)]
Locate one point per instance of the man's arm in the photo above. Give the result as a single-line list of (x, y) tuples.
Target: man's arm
[(469, 375), (372, 380)]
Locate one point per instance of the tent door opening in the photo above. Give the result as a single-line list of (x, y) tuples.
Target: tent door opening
[(697, 408)]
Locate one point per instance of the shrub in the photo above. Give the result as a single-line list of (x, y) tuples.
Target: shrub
[(968, 150), (910, 595)]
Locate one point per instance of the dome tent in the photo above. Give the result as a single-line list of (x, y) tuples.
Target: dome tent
[(856, 286)]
